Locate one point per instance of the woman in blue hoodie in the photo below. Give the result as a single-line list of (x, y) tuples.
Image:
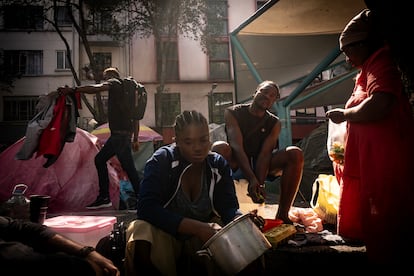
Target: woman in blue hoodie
[(186, 195)]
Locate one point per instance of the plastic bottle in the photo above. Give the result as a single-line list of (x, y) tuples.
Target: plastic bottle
[(18, 205)]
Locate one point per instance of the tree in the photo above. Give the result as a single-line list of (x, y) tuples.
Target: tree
[(76, 12), (195, 19), (165, 20)]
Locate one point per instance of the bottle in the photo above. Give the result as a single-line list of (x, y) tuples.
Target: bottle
[(18, 205)]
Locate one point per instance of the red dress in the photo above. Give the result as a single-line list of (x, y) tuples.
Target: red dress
[(377, 185)]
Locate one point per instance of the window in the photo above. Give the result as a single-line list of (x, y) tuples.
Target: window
[(306, 116), (100, 22), (219, 55), (217, 17), (169, 103), (102, 61), (218, 103), (23, 17), (219, 61), (169, 48), (26, 63), (19, 108), (62, 16), (62, 60)]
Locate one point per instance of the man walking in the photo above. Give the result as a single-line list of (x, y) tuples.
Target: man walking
[(122, 128)]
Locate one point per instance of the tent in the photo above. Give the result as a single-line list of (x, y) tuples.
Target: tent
[(146, 137), (145, 134), (292, 42), (72, 181)]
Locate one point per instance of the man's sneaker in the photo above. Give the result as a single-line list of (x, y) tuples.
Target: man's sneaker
[(100, 203)]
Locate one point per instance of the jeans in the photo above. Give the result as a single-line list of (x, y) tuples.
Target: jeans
[(119, 145)]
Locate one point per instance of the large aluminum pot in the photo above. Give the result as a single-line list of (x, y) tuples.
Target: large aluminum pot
[(236, 245)]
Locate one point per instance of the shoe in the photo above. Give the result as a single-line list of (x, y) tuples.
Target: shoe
[(131, 211), (100, 203)]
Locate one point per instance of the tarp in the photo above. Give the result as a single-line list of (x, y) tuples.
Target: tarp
[(72, 181), (145, 134), (286, 40)]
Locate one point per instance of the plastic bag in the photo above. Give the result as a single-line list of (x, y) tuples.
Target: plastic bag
[(128, 199), (336, 141), (327, 200)]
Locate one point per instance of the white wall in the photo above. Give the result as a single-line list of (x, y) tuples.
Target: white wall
[(193, 66), (48, 42)]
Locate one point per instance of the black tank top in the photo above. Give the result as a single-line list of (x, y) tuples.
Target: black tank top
[(254, 129)]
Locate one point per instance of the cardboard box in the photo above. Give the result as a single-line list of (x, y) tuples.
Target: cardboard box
[(87, 230)]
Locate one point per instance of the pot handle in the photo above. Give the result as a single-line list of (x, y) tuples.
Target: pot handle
[(205, 252)]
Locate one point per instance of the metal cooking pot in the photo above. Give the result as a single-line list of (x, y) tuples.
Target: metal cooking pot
[(236, 245)]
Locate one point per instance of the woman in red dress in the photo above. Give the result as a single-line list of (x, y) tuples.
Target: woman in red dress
[(377, 176)]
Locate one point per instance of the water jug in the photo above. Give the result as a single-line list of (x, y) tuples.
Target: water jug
[(18, 205)]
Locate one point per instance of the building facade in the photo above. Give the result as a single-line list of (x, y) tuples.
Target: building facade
[(37, 54)]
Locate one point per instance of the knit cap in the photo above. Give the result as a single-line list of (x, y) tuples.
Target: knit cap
[(358, 29)]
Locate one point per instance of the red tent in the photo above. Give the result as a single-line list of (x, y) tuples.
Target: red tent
[(72, 181)]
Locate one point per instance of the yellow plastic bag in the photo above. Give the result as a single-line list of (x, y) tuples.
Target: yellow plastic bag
[(327, 199)]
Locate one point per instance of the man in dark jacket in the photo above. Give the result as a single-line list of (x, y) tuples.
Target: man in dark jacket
[(119, 143)]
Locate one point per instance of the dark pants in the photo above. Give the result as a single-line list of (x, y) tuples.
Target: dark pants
[(119, 145)]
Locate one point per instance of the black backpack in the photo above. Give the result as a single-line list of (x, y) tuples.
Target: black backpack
[(136, 98)]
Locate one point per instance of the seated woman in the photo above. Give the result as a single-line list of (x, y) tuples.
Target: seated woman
[(186, 195)]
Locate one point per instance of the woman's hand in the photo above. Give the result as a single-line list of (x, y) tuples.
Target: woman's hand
[(336, 115), (202, 230), (207, 231)]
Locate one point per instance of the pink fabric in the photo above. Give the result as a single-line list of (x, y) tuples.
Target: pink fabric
[(307, 217), (72, 181), (378, 174)]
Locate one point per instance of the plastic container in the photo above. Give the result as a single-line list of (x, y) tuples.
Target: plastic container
[(87, 230), (271, 223)]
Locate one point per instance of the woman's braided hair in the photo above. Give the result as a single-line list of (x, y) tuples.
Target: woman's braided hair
[(187, 118)]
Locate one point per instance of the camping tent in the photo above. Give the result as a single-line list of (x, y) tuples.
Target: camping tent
[(145, 134), (72, 181)]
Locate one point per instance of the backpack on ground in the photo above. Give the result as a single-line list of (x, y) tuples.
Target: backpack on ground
[(136, 97)]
